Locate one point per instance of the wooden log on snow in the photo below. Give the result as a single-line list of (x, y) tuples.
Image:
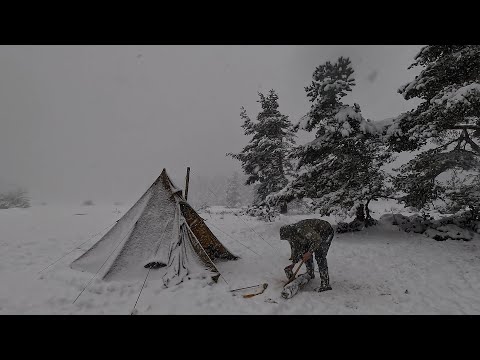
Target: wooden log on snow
[(291, 289)]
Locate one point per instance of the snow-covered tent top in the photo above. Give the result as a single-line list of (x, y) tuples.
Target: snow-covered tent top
[(161, 231)]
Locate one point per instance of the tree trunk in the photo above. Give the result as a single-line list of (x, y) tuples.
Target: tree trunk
[(369, 221), (474, 212), (360, 215)]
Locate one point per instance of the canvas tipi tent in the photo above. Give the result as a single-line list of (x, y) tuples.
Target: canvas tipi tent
[(162, 232)]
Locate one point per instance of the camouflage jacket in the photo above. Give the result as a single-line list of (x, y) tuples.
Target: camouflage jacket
[(306, 235)]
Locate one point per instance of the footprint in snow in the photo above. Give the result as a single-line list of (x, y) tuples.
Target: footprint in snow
[(270, 301)]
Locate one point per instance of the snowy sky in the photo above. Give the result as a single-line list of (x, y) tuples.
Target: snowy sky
[(100, 122)]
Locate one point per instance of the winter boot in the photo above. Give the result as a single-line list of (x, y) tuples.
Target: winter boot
[(323, 288)]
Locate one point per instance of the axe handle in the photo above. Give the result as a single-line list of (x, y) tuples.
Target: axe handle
[(294, 274)]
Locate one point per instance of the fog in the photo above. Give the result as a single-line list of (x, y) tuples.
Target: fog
[(101, 122)]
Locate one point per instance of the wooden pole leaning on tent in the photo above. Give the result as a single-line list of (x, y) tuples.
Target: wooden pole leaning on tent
[(187, 180)]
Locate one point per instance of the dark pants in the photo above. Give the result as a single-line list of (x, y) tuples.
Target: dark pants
[(322, 268)]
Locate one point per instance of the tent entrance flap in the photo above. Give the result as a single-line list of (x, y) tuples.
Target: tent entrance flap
[(154, 265)]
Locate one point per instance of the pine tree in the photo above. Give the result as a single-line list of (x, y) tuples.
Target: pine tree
[(341, 167), (264, 159), (445, 127), (232, 194)]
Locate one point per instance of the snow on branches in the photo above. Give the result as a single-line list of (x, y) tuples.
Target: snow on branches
[(340, 168), (448, 120), (264, 159)]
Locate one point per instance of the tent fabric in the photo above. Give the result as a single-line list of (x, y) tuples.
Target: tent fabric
[(160, 227), (208, 241)]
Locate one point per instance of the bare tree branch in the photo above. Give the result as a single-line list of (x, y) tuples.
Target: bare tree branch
[(474, 146), (465, 126)]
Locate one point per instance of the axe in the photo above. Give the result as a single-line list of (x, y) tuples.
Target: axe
[(294, 274)]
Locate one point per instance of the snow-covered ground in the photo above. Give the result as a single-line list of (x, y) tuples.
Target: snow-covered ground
[(377, 271)]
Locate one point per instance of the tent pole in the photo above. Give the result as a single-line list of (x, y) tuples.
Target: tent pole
[(187, 179)]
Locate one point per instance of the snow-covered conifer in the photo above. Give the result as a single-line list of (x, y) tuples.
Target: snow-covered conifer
[(232, 194), (340, 169), (264, 159), (445, 127)]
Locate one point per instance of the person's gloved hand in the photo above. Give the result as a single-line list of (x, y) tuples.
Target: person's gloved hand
[(289, 272), (307, 256)]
